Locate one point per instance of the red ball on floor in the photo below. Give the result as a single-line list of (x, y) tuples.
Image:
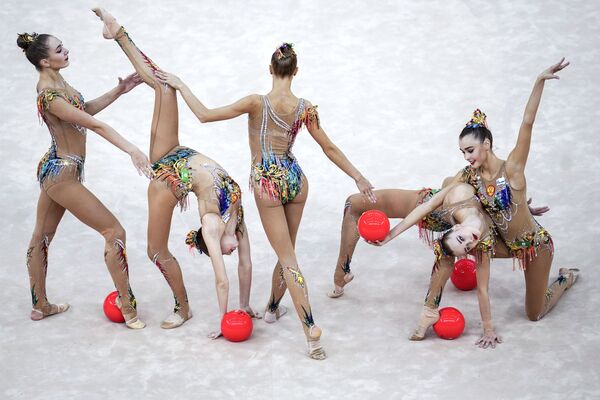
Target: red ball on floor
[(236, 326), (464, 275), (373, 225), (111, 310), (450, 325)]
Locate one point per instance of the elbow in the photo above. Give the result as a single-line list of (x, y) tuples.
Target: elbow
[(203, 118), (330, 151)]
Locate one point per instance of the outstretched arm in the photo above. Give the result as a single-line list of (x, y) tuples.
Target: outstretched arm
[(93, 107), (518, 157), (245, 105), (66, 112), (489, 337), (338, 157), (416, 215)]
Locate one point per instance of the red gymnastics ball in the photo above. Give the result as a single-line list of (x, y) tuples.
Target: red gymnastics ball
[(450, 325), (373, 225), (111, 310), (464, 275), (236, 326)]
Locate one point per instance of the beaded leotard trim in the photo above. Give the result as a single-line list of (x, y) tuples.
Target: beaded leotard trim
[(228, 193)]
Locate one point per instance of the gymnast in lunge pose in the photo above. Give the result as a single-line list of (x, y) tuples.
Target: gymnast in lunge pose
[(178, 170), (60, 173), (280, 187), (501, 187)]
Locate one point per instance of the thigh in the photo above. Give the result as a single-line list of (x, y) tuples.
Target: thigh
[(536, 281), (82, 203), (48, 215), (395, 203), (293, 211), (161, 203), (165, 122), (272, 216)]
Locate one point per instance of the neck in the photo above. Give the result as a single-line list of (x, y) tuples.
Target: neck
[(53, 76), (474, 221), (282, 85), (491, 164)]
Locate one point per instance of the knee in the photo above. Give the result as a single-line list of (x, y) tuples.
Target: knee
[(156, 253), (351, 203), (114, 232), (534, 315)]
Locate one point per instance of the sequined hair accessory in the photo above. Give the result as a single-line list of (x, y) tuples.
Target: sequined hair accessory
[(28, 38), (438, 250), (478, 119), (279, 51)]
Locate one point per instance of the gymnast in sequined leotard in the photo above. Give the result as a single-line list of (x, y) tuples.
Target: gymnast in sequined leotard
[(60, 173), (178, 171), (453, 223), (279, 185), (501, 187)]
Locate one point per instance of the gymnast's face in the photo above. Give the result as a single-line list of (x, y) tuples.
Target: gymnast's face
[(58, 55), (474, 151), (462, 239), (229, 243)]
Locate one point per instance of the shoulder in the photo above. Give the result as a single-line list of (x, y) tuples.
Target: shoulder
[(47, 95)]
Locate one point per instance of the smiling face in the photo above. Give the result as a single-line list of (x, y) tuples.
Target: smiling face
[(57, 56), (462, 239), (474, 150)]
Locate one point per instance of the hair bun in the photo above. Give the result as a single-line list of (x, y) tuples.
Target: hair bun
[(477, 119), (24, 40)]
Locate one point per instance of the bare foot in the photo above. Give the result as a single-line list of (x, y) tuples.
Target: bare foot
[(429, 316), (315, 349), (111, 26), (51, 309), (273, 317)]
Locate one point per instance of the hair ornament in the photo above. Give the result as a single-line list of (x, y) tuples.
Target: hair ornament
[(28, 38), (438, 250), (280, 49), (478, 119)]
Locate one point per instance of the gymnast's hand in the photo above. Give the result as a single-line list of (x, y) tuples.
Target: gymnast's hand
[(125, 85), (537, 211), (169, 79), (488, 339), (141, 163), (550, 73), (380, 242), (365, 187)]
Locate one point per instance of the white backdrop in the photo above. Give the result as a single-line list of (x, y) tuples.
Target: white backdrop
[(395, 82)]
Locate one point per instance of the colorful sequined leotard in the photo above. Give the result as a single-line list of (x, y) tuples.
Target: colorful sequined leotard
[(275, 171), (181, 169), (433, 225), (65, 158), (510, 213)]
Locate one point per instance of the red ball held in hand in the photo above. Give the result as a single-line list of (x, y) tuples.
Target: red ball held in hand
[(111, 310), (464, 275), (450, 325), (236, 326), (373, 225)]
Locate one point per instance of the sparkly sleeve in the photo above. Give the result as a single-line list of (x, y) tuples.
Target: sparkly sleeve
[(310, 117), (45, 97)]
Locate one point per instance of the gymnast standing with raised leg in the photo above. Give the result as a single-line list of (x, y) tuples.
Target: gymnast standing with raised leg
[(179, 170), (60, 173), (280, 187)]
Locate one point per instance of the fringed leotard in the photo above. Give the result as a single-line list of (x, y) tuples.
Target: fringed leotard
[(510, 213)]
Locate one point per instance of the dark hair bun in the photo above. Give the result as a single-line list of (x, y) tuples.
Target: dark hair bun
[(24, 40)]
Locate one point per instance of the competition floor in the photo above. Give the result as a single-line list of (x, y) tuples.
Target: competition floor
[(395, 82)]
